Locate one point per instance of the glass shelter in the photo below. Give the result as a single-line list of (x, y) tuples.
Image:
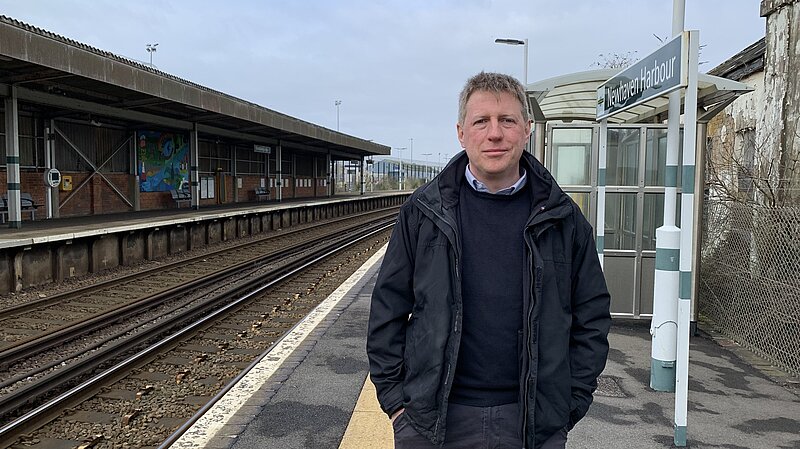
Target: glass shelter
[(566, 140)]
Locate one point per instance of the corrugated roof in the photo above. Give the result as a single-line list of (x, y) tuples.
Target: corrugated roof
[(37, 59), (744, 63)]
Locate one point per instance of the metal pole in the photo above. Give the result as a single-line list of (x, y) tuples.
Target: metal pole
[(664, 326), (12, 160), (194, 162), (411, 150), (600, 225), (337, 103), (699, 197), (363, 190), (400, 176), (48, 164), (525, 72), (329, 176), (686, 253), (279, 172), (540, 128)]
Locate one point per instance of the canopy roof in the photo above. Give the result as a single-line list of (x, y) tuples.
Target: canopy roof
[(574, 97), (57, 76)]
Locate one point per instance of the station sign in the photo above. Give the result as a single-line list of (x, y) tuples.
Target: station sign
[(655, 75), (262, 149)]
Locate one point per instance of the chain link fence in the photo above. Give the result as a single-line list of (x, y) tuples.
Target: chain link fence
[(750, 278)]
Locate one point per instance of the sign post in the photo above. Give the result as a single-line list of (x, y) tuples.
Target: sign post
[(664, 72)]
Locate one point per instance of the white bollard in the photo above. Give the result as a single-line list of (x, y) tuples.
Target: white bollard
[(664, 327)]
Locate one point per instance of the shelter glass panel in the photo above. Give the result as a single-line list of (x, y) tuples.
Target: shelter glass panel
[(622, 160), (619, 273), (654, 218), (620, 230), (582, 199), (656, 156), (572, 150)]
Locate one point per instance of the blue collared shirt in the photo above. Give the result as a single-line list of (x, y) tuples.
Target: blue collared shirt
[(481, 187)]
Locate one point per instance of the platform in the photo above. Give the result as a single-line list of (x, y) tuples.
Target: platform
[(318, 398), (44, 251)]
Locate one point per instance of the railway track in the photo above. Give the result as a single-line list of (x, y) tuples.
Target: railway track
[(207, 303), (35, 326)]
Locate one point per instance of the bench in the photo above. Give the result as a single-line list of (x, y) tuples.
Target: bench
[(181, 196), (26, 204), (262, 193)]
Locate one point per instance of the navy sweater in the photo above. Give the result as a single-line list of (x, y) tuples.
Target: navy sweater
[(492, 226)]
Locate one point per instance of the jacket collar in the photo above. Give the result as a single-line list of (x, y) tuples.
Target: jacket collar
[(443, 192)]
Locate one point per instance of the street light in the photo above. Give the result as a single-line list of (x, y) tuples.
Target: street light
[(151, 48), (411, 156), (400, 170), (427, 167), (337, 103), (518, 42)]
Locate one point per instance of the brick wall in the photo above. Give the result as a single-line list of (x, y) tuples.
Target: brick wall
[(249, 184), (321, 186), (156, 200)]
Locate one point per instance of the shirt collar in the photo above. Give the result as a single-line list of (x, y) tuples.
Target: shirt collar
[(481, 187)]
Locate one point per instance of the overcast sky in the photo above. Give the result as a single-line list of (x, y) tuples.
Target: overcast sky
[(397, 66)]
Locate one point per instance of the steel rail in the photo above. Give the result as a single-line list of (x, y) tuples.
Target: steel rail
[(210, 310), (39, 343), (55, 299)]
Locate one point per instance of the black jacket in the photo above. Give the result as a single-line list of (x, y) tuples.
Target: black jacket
[(415, 315)]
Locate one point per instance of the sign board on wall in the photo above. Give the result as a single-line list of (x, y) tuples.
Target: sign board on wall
[(657, 74)]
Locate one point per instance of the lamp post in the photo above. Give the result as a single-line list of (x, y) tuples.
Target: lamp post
[(151, 48), (400, 170), (411, 156), (427, 167), (523, 42), (337, 103)]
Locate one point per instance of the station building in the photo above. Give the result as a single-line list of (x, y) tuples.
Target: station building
[(88, 132)]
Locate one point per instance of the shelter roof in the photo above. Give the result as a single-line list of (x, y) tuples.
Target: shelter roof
[(574, 97)]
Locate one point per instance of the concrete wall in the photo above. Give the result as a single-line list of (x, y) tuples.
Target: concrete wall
[(778, 128), (38, 264), (729, 134)]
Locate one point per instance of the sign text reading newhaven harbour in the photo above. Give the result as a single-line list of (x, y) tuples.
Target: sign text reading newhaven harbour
[(661, 72)]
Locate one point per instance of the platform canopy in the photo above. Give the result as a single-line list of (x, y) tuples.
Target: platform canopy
[(70, 78), (574, 97)]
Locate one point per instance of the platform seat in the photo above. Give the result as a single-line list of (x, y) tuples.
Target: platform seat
[(262, 193), (181, 196), (26, 204)]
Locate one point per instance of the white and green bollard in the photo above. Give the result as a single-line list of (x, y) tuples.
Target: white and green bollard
[(664, 327)]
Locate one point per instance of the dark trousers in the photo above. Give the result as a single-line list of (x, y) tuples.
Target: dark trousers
[(474, 428)]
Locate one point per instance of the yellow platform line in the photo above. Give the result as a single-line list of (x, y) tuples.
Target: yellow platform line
[(369, 427)]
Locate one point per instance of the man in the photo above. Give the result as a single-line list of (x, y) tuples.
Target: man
[(489, 318)]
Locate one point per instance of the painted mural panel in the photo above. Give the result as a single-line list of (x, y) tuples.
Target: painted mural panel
[(163, 161)]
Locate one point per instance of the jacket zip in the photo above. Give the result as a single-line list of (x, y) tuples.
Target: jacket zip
[(535, 273), (528, 346), (457, 289)]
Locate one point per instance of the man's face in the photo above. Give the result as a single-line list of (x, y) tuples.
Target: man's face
[(494, 135)]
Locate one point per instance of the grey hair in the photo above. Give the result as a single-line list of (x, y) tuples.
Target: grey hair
[(492, 82)]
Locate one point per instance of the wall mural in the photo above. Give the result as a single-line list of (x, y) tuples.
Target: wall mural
[(163, 161)]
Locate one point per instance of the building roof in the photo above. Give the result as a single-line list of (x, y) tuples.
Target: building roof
[(48, 69), (744, 63)]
